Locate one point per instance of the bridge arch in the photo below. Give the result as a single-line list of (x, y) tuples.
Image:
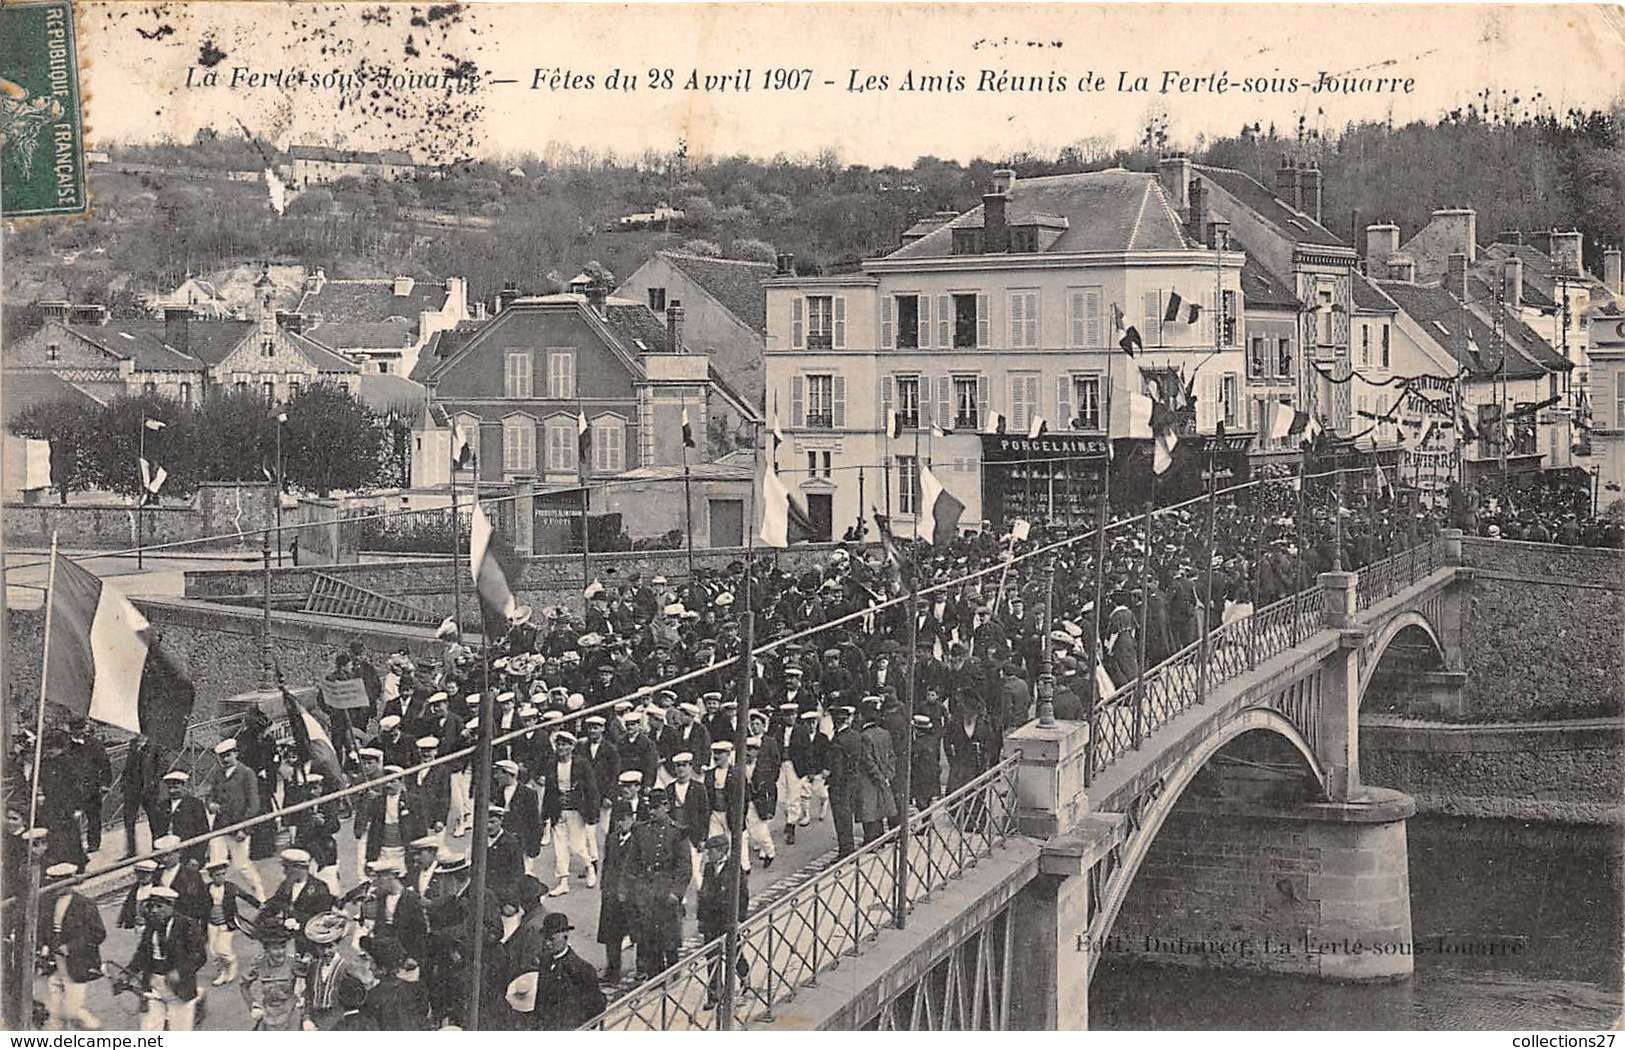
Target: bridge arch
[(1412, 624), (1173, 785)]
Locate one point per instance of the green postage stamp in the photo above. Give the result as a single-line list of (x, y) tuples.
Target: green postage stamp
[(42, 152)]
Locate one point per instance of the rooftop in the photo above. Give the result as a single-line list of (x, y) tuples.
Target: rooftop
[(1292, 223), (371, 301), (735, 283), (1464, 335), (24, 390), (1262, 289)]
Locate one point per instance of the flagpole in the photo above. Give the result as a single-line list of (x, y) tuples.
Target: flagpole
[(688, 512), (25, 968), (280, 417), (482, 803), (904, 757), (586, 533), (1207, 597), (456, 541), (1099, 654), (1145, 590), (141, 497)]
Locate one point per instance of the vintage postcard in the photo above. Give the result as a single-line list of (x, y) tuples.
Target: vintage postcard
[(812, 516)]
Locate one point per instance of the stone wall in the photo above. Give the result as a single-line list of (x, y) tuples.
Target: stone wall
[(1566, 772), (1543, 631), (219, 646), (213, 516), (538, 581)]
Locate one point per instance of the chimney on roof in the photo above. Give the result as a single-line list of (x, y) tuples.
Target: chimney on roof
[(1459, 228), (177, 326), (1309, 191), (315, 279), (1402, 268), (54, 310), (1566, 252), (1509, 237), (784, 265), (291, 320), (674, 327), (1611, 276), (1512, 283), (403, 286), (1197, 222), (1175, 175), (995, 223), (1455, 281), (1381, 243), (510, 292), (1218, 234), (598, 297), (1289, 182)]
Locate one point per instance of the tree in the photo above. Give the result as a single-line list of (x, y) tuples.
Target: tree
[(330, 441), (234, 438), (707, 248), (121, 437), (68, 424), (752, 249)]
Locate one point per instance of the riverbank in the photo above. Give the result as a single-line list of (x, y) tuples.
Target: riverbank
[(1568, 772)]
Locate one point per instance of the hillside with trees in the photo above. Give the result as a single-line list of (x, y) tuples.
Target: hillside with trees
[(535, 220)]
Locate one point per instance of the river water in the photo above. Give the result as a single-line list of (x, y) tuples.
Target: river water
[(1545, 899)]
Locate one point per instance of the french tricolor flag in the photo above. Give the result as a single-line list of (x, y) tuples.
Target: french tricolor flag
[(496, 599), (103, 664)]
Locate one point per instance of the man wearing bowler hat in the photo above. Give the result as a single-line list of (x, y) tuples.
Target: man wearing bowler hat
[(559, 989)]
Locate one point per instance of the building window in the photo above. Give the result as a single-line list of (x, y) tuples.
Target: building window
[(561, 374), (657, 300), (1385, 346), (293, 387), (519, 444), (1257, 367), (562, 445), (1023, 400), (1619, 400), (1151, 318), (908, 401), (240, 386), (268, 347), (384, 367), (1283, 358), (1024, 239), (270, 391), (1024, 320), (821, 401), (53, 351), (1365, 346), (967, 242), (966, 403), (1084, 308), (908, 485), (1230, 400), (820, 322), (516, 374), (812, 464), (608, 445), (1229, 318), (970, 321), (186, 393), (908, 321), (1086, 402), (826, 458)]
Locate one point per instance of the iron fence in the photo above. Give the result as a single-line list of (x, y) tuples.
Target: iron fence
[(196, 757), (788, 945), (1383, 579)]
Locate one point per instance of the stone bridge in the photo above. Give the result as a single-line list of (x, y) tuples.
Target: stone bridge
[(1223, 787)]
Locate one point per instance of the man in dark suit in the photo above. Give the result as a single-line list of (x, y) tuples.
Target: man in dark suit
[(396, 910), (504, 856), (605, 757), (690, 802), (637, 750), (142, 788), (183, 816), (71, 935), (168, 954), (87, 756), (390, 820), (761, 773), (523, 808), (660, 869), (563, 992), (844, 753), (300, 895), (716, 891)]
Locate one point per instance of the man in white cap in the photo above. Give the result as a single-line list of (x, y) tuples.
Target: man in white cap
[(570, 806), (523, 806), (430, 789), (182, 815), (168, 954), (71, 935), (683, 732), (723, 785), (221, 919), (300, 895), (237, 792), (761, 780)]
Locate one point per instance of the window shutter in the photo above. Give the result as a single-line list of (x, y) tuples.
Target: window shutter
[(569, 375), (1207, 403), (798, 397), (838, 395), (1151, 315), (509, 439), (886, 399), (984, 396), (945, 322), (1063, 403), (1078, 334), (839, 340), (1032, 319), (798, 326), (924, 308), (944, 414), (1093, 333), (1018, 317), (1018, 403), (887, 340), (984, 322)]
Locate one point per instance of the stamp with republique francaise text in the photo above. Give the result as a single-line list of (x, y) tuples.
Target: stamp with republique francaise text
[(42, 153)]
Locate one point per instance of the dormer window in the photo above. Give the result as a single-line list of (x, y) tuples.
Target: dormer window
[(1024, 239), (268, 347), (967, 242)]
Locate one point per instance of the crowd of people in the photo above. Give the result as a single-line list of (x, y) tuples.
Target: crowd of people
[(622, 768), (1544, 514)]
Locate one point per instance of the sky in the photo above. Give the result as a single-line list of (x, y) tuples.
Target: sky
[(371, 76)]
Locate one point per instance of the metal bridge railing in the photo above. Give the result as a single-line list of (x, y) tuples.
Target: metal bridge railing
[(1141, 707), (196, 757), (788, 945)]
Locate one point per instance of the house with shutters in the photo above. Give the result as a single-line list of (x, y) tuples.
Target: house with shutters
[(1016, 308), (517, 384)]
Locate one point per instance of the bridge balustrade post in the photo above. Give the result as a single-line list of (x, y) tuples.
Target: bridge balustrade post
[(524, 515), (1452, 546), (1339, 591)]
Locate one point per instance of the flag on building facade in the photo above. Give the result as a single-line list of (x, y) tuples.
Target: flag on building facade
[(1037, 427), (688, 431), (104, 665), (939, 510), (490, 582), (1131, 341), (1193, 313), (462, 448), (1171, 315), (994, 424), (1131, 408), (783, 520), (773, 426), (583, 436), (894, 425)]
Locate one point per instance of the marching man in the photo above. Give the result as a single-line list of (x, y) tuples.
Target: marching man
[(71, 937)]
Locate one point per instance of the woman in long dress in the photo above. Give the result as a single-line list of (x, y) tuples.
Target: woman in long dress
[(273, 985)]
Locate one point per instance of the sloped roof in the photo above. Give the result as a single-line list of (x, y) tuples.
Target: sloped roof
[(1449, 324), (143, 342), (1368, 296), (371, 301), (1249, 191), (383, 392), (1540, 275), (735, 283), (324, 359), (441, 346), (1106, 211), (1520, 334), (1261, 288), (24, 390), (638, 328), (363, 335)]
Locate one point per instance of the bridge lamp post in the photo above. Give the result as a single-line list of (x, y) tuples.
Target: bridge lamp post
[(1046, 659)]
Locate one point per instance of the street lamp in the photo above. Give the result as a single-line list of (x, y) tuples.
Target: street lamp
[(281, 418)]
